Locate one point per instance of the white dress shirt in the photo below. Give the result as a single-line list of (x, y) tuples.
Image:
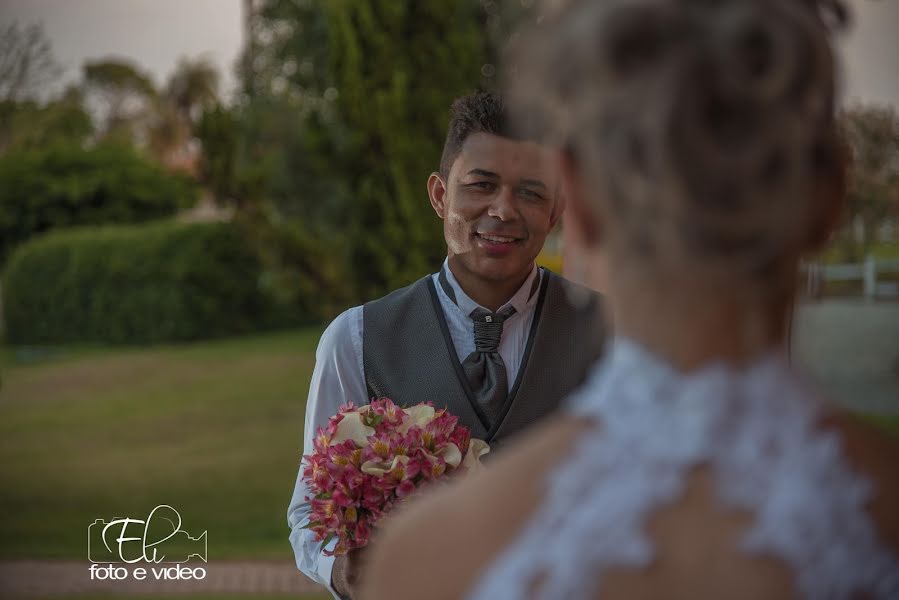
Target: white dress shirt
[(339, 377)]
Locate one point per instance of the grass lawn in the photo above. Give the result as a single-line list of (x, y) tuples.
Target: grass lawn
[(213, 429), (836, 253), (888, 422)]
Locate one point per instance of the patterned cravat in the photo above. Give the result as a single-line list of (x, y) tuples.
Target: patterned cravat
[(484, 368)]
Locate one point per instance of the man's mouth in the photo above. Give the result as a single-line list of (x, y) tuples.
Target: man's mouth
[(497, 239)]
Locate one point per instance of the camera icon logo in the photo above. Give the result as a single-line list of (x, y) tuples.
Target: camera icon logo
[(157, 539)]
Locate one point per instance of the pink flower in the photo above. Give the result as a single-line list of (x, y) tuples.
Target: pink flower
[(442, 426), (379, 446), (369, 458), (438, 467), (361, 534), (405, 488), (460, 436)]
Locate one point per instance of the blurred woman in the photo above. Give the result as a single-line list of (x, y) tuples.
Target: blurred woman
[(701, 157)]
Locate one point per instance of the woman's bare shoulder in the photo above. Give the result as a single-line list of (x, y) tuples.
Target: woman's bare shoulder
[(442, 541), (874, 453)]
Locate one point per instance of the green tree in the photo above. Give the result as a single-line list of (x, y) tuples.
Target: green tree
[(872, 135), (28, 124), (192, 86), (26, 62), (218, 131), (126, 93), (397, 67), (365, 88), (191, 89), (27, 65), (292, 137)]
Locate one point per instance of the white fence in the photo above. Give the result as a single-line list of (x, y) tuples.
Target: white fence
[(817, 275)]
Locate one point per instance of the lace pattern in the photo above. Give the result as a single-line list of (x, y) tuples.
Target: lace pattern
[(755, 428)]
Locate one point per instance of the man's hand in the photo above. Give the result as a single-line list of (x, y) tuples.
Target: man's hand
[(345, 573)]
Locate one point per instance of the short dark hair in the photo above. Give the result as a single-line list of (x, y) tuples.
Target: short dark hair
[(481, 112)]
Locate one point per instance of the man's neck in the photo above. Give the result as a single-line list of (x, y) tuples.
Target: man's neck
[(490, 294)]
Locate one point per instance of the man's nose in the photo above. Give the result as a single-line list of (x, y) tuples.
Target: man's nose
[(503, 205)]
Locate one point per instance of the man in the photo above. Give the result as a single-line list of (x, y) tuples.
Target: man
[(493, 338)]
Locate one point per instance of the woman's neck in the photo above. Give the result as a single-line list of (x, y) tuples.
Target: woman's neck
[(693, 325)]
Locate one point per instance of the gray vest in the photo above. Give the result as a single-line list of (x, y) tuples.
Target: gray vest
[(409, 357)]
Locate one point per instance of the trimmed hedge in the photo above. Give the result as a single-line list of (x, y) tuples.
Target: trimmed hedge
[(132, 284), (63, 185)]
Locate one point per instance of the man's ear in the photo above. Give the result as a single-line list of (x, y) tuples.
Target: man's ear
[(581, 215), (559, 208), (437, 194)]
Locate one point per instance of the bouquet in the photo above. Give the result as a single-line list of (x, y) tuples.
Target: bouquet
[(369, 458)]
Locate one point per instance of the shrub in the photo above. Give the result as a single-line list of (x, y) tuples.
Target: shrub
[(132, 284), (64, 185)]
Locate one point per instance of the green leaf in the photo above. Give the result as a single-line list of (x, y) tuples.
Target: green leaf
[(325, 542)]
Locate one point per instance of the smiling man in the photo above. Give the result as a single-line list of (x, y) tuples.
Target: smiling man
[(496, 340)]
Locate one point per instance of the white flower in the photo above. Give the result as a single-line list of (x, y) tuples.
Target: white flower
[(476, 449), (381, 468), (420, 415), (451, 455), (351, 427)]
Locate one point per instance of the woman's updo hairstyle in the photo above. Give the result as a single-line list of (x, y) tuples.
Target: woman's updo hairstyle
[(706, 128)]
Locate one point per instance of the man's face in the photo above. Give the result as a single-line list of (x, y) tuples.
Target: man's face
[(498, 204)]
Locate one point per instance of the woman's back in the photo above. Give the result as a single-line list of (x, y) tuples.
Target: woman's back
[(722, 472), (722, 483)]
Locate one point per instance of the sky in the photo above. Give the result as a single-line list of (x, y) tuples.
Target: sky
[(155, 33), (152, 33), (870, 52)]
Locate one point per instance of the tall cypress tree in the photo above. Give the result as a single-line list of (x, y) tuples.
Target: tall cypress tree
[(369, 84), (397, 65)]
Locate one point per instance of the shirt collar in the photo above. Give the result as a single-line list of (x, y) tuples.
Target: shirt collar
[(522, 300)]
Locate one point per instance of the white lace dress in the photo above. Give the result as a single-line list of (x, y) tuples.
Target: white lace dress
[(755, 428)]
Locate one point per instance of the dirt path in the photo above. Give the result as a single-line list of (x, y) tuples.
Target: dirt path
[(851, 348), (45, 578)]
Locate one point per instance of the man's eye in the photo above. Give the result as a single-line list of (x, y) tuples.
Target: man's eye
[(483, 185), (530, 194)]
